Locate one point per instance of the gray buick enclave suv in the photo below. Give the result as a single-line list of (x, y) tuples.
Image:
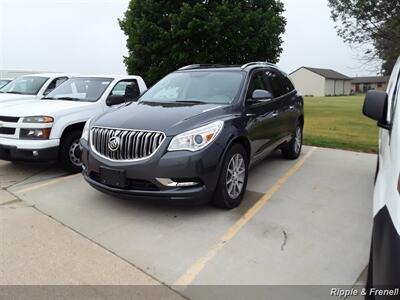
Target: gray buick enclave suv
[(194, 134)]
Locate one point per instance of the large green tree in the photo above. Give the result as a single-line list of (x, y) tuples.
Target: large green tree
[(165, 35), (370, 22)]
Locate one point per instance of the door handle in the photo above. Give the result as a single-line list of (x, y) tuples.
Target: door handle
[(291, 107)]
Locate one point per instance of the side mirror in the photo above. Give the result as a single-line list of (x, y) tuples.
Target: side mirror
[(115, 99), (261, 96), (375, 107)]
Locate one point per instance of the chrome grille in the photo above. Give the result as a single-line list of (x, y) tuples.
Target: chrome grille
[(133, 144)]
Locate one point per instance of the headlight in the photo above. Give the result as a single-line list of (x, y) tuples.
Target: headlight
[(85, 132), (196, 139), (38, 119), (35, 133)]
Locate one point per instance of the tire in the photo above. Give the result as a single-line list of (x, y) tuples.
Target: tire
[(292, 149), (70, 152), (230, 195)]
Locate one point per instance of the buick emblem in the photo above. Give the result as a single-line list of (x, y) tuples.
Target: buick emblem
[(113, 143)]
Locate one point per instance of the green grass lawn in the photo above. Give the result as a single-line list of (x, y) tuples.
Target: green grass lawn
[(338, 122)]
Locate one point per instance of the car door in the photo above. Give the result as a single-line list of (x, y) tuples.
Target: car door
[(262, 116), (285, 99), (384, 267), (128, 89)]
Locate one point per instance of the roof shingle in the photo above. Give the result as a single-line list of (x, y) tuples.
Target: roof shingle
[(328, 73)]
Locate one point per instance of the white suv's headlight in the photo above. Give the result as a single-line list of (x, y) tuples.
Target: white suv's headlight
[(85, 131), (196, 139)]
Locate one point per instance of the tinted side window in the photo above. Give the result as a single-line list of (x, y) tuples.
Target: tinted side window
[(257, 82), (288, 84), (128, 88), (276, 83)]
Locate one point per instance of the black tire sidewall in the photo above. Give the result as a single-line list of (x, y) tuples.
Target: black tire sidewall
[(221, 196), (290, 150), (66, 142)]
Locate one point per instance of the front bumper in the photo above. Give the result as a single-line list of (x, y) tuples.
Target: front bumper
[(182, 166), (29, 150)]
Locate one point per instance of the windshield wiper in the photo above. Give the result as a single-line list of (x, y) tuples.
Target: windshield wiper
[(13, 92), (190, 101), (66, 98)]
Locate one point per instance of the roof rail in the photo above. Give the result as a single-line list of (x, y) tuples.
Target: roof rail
[(198, 66), (257, 63)]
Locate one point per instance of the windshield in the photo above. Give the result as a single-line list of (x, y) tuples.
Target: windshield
[(80, 89), (3, 82), (219, 87), (26, 85)]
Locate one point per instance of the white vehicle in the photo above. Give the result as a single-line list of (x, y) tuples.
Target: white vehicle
[(384, 107), (4, 81), (49, 129), (31, 86)]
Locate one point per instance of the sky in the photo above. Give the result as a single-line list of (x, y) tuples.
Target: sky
[(83, 36)]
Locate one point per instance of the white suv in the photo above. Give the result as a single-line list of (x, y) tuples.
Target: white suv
[(384, 268), (49, 129), (31, 86)]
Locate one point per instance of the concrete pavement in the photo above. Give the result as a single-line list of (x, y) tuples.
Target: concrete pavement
[(314, 229)]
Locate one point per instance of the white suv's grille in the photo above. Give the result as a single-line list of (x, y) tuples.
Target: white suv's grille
[(125, 144)]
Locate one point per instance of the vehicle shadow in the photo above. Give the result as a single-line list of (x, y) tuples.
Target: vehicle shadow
[(163, 207)]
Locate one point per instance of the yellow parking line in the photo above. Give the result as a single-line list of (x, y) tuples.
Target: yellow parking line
[(44, 184), (191, 274)]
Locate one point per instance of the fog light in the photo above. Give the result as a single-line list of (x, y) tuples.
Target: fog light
[(35, 153), (171, 183)]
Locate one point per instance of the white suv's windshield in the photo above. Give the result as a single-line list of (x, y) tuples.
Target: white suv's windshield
[(87, 89), (26, 85), (196, 87)]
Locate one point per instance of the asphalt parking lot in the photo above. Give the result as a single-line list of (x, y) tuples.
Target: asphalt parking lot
[(302, 222)]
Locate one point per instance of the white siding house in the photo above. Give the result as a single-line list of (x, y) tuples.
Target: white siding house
[(320, 82)]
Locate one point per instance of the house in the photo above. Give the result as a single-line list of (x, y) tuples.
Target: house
[(364, 84), (320, 82)]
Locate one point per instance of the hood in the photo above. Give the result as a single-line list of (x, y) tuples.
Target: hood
[(52, 108), (13, 97), (171, 118)]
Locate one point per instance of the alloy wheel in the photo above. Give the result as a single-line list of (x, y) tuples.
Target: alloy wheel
[(235, 176)]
